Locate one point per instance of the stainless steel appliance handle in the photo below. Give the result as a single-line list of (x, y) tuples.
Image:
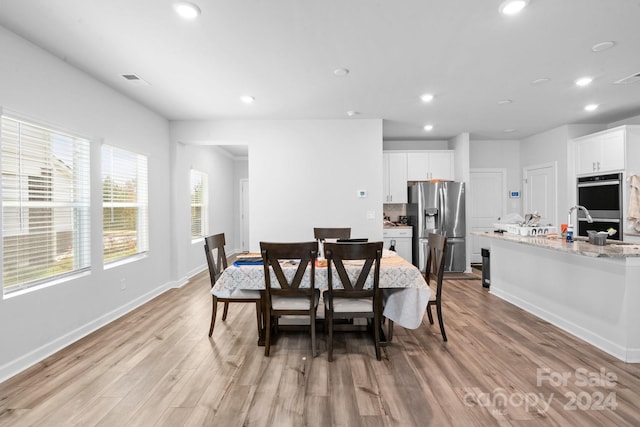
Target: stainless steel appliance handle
[(598, 183), (443, 208), (615, 220)]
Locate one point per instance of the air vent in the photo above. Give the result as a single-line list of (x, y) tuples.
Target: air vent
[(634, 78), (135, 79)]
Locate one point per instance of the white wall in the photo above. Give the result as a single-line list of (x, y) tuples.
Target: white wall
[(635, 120), (304, 173), (188, 255), (552, 146), (241, 171), (500, 154), (37, 323), (408, 145)]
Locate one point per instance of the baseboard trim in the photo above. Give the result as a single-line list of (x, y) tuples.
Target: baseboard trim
[(609, 347), (26, 361)]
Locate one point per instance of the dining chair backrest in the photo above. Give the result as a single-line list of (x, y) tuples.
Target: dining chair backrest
[(302, 254), (337, 253), (216, 256), (331, 233), (434, 270), (358, 240)]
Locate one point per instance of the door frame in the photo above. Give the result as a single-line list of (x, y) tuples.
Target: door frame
[(244, 215)]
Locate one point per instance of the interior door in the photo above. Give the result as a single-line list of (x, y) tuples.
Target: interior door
[(540, 192), (487, 198), (244, 215)]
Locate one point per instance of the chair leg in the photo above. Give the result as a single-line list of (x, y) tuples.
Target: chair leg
[(224, 313), (267, 332), (259, 316), (377, 324), (312, 325), (429, 313), (214, 309), (329, 317), (390, 330), (439, 311)]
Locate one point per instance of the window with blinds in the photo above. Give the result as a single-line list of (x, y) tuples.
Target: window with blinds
[(124, 203), (199, 203), (45, 204)]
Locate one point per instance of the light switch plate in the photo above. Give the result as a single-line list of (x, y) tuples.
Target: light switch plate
[(371, 214)]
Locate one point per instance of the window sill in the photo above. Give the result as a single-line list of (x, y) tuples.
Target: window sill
[(127, 260), (53, 282)]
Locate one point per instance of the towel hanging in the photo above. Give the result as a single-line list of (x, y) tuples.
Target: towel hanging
[(633, 211)]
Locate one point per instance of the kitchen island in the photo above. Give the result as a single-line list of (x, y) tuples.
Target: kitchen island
[(591, 291)]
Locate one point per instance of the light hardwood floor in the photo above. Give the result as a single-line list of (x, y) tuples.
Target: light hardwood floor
[(157, 366)]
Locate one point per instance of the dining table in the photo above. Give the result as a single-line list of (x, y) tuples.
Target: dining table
[(406, 293)]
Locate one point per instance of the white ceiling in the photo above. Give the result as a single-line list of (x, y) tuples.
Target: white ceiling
[(284, 52)]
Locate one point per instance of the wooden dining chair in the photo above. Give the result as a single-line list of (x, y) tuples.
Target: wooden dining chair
[(217, 262), (353, 299), (433, 274), (288, 297), (331, 233)]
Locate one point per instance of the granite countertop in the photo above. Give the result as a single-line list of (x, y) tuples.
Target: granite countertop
[(393, 227), (613, 248)]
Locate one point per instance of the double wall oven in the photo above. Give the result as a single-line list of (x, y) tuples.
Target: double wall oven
[(602, 196)]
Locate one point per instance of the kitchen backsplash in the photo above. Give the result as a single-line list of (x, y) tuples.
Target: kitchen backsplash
[(394, 210)]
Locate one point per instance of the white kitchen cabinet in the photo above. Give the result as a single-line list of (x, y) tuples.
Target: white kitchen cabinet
[(600, 152), (402, 237), (395, 177), (428, 165)]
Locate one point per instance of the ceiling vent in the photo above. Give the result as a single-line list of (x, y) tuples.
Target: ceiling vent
[(135, 80), (634, 78)]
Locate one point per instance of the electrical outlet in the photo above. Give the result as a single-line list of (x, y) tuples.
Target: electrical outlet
[(123, 284)]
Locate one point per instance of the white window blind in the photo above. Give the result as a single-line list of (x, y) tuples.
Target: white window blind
[(125, 203), (199, 203), (45, 204)]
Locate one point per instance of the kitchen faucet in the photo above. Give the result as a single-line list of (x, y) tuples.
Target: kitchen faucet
[(589, 219)]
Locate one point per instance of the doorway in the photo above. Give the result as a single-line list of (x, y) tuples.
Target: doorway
[(244, 215), (540, 192)]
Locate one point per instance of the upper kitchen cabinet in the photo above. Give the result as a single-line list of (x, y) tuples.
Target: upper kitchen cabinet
[(600, 152), (395, 177), (428, 165)]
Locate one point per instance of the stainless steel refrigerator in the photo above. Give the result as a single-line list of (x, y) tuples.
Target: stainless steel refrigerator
[(438, 207)]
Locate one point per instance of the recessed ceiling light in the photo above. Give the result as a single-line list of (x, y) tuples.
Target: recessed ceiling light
[(247, 99), (186, 10), (509, 130), (584, 81), (428, 128), (504, 101), (591, 107), (341, 71), (427, 97), (512, 7), (352, 113), (540, 81), (599, 47)]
